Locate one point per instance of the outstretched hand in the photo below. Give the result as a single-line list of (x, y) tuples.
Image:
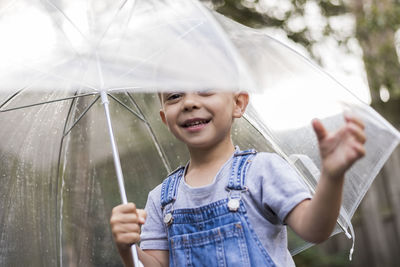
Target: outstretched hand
[(341, 149), (314, 219)]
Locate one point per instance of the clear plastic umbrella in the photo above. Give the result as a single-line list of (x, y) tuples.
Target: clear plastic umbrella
[(59, 58)]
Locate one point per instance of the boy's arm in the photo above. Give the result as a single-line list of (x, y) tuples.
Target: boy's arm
[(156, 258), (125, 224), (314, 220)]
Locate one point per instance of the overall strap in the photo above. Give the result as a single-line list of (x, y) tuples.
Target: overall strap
[(169, 186), (240, 164)]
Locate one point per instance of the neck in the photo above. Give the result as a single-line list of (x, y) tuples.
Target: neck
[(211, 156)]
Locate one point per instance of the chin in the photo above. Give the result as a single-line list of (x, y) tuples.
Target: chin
[(199, 145)]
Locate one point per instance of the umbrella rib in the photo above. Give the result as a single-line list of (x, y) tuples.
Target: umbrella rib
[(128, 108), (58, 212), (67, 18), (180, 37), (40, 103), (112, 20), (11, 97), (153, 136), (125, 24), (81, 116), (142, 118), (62, 30), (78, 30), (54, 75)]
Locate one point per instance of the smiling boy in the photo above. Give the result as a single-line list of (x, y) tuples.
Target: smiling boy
[(229, 207)]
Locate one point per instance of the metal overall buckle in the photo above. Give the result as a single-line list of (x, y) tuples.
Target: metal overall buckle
[(168, 218), (234, 203)]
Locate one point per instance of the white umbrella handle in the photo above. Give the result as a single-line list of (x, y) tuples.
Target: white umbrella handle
[(118, 169)]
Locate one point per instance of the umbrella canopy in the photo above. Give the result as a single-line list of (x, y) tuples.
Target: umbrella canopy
[(57, 192), (116, 45), (57, 186)]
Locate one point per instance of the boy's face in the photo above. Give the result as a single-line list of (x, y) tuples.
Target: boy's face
[(202, 119)]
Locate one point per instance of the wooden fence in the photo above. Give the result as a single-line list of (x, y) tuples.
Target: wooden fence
[(376, 222)]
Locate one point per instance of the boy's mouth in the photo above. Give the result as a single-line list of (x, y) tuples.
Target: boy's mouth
[(195, 122)]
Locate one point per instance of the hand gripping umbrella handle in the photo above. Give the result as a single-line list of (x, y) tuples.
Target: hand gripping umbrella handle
[(118, 169)]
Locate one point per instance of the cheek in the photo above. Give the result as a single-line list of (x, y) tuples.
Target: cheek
[(169, 123), (226, 118)]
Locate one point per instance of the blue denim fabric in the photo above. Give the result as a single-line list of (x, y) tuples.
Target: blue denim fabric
[(214, 234)]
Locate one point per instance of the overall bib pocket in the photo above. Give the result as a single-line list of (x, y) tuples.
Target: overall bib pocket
[(221, 246)]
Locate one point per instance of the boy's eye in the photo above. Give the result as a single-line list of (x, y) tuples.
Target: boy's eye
[(206, 92), (173, 96)]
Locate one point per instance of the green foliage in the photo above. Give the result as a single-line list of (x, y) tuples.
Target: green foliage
[(315, 257), (376, 23), (332, 8), (253, 14), (376, 26)]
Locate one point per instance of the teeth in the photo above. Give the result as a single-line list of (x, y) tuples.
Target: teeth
[(195, 123)]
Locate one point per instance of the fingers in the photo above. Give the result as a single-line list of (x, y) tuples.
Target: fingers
[(352, 119), (356, 128), (142, 216), (353, 125), (319, 129), (127, 213), (357, 131), (124, 211), (360, 150), (126, 240), (122, 228), (125, 224), (355, 137), (125, 208), (339, 150)]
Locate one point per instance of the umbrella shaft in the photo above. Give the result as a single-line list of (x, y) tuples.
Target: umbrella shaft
[(117, 164)]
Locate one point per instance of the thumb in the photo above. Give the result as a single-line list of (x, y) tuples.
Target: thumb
[(319, 129), (142, 214)]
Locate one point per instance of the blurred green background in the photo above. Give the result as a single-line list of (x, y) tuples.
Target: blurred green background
[(357, 41), (367, 32)]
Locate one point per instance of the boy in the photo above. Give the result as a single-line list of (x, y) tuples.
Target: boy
[(192, 220)]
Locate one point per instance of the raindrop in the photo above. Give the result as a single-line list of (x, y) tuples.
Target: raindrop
[(384, 93)]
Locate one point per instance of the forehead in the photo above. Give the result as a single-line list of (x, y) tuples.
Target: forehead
[(162, 96)]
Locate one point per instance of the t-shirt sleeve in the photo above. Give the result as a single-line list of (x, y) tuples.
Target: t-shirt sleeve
[(153, 235), (282, 187)]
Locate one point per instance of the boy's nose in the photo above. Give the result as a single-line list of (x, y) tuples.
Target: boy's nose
[(190, 102)]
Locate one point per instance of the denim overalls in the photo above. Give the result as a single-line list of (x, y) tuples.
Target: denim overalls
[(217, 234)]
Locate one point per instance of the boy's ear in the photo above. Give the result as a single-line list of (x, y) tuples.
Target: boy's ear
[(241, 100), (162, 115)]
